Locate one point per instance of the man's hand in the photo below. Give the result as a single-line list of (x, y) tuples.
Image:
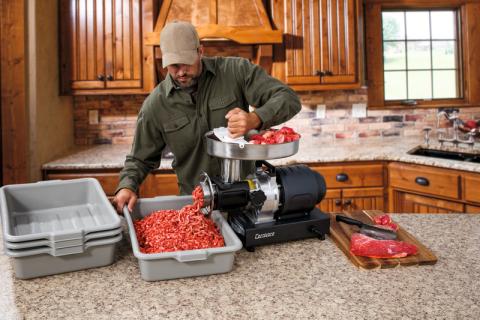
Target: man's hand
[(240, 122), (124, 197)]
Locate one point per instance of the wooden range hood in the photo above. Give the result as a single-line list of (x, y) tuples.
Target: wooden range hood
[(244, 22)]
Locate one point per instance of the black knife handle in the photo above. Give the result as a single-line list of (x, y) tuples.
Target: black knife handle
[(348, 220)]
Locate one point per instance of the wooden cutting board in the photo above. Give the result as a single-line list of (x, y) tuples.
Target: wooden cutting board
[(341, 232)]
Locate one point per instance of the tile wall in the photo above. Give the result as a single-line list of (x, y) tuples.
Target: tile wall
[(112, 119)]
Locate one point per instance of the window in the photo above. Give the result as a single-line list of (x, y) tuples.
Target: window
[(420, 55)]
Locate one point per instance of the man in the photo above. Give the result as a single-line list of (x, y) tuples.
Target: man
[(198, 94)]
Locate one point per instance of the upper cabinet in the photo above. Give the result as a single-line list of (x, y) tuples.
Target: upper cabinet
[(101, 47), (321, 43)]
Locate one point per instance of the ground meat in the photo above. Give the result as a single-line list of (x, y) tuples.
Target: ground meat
[(176, 230), (361, 245)]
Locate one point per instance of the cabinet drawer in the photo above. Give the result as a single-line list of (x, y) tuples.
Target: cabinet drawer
[(472, 190), (425, 180), (472, 209), (159, 184), (367, 175), (108, 181)]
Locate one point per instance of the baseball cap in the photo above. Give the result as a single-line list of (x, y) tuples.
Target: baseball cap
[(179, 43)]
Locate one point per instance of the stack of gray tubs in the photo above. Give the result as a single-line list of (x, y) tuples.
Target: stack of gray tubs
[(58, 226)]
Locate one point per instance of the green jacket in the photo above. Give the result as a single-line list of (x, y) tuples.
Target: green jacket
[(169, 117)]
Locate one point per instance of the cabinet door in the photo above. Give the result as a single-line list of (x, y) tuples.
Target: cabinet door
[(332, 201), (101, 47), (320, 42), (404, 202), (159, 184), (123, 43), (363, 199), (472, 209), (108, 180), (82, 46)]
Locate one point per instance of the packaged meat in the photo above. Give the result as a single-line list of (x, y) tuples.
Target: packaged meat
[(362, 245)]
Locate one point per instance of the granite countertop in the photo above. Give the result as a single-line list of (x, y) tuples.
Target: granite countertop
[(311, 150), (307, 279)]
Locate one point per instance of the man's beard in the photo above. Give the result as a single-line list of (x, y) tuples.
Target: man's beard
[(193, 82)]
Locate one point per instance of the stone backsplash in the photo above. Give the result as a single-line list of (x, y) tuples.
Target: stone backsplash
[(112, 119)]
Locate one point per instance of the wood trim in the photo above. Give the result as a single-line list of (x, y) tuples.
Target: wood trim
[(471, 40), (116, 91), (66, 15), (213, 12), (374, 55), (13, 101), (324, 87), (162, 17), (430, 3), (123, 84), (148, 74), (264, 57), (242, 35)]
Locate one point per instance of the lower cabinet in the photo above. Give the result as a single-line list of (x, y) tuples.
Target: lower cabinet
[(363, 199), (158, 183), (424, 189), (352, 187), (472, 209), (349, 200), (404, 202)]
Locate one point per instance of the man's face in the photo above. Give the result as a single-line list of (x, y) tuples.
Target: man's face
[(185, 75)]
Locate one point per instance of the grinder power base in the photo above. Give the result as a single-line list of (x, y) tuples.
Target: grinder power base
[(271, 204), (313, 224)]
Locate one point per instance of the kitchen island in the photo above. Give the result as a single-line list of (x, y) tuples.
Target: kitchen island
[(308, 279)]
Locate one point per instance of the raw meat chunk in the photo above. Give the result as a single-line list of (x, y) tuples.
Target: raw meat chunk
[(361, 245)]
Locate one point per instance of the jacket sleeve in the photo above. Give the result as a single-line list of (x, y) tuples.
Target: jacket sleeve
[(145, 154), (274, 101)]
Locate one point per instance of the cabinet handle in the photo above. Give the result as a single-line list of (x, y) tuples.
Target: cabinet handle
[(101, 77), (338, 202), (323, 73), (342, 177), (109, 77), (348, 202), (422, 181)]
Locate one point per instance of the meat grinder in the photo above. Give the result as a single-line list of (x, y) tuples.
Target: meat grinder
[(271, 204)]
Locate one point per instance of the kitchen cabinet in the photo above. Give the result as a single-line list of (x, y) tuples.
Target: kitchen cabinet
[(352, 187), (157, 183), (405, 202), (321, 43), (101, 47), (472, 209), (423, 189)]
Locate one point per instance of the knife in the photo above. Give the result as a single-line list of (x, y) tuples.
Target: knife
[(369, 230)]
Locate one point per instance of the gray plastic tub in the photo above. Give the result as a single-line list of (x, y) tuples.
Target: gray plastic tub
[(180, 264), (38, 263), (62, 244), (57, 211)]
